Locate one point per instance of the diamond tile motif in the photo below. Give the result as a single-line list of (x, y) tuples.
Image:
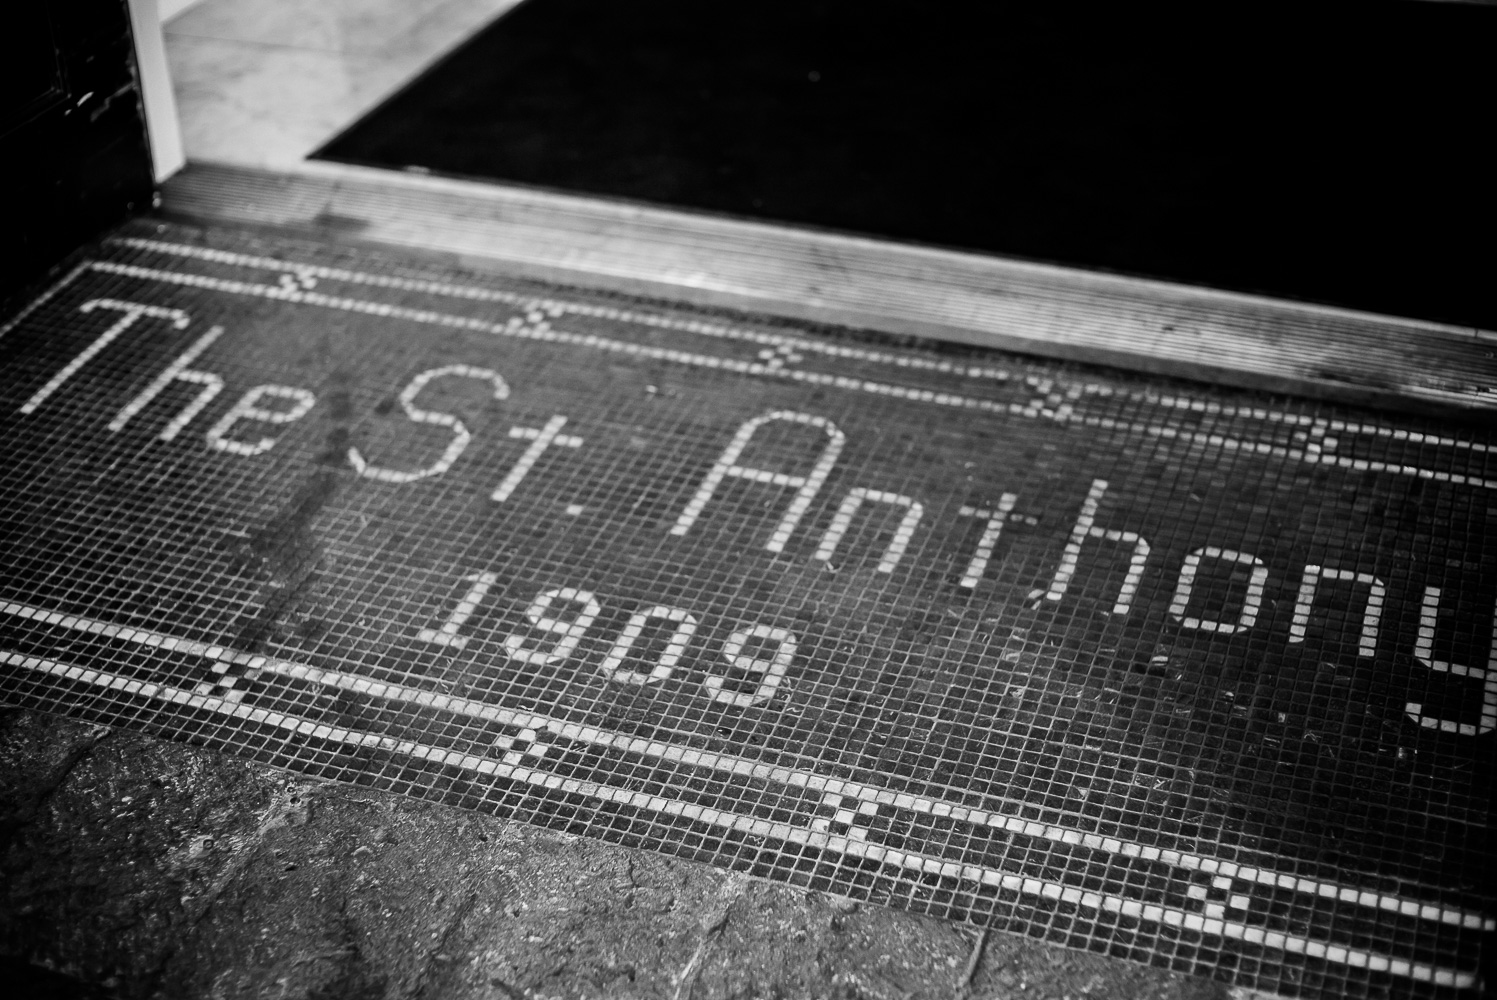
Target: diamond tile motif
[(1194, 677)]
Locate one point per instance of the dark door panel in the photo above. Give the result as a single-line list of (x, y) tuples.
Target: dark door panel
[(73, 145)]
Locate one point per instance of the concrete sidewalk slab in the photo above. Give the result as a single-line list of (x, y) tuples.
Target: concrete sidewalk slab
[(155, 869)]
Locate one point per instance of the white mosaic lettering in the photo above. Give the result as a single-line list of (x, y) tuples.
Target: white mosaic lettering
[(773, 669), (1424, 649), (447, 635), (806, 486), (1217, 907), (612, 666), (248, 408), (177, 371), (996, 518), (1086, 527), (1060, 414), (843, 520), (460, 433), (540, 440), (1371, 616), (1252, 600), (571, 632), (133, 311)]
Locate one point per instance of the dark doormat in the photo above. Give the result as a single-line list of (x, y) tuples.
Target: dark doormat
[(1316, 152)]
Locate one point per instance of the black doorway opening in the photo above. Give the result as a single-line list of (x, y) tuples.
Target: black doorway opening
[(1323, 152)]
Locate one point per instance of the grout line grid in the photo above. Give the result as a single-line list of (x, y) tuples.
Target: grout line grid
[(1184, 675)]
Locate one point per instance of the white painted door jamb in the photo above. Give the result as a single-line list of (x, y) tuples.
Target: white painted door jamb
[(163, 128)]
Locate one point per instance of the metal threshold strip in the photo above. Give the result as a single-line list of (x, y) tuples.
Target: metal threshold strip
[(1051, 311)]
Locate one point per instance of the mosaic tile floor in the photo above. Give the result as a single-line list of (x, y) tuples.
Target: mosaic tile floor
[(1205, 679)]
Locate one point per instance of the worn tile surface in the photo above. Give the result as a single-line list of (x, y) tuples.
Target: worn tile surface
[(1196, 678), (155, 869)]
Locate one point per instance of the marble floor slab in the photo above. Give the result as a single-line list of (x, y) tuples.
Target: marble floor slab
[(266, 82)]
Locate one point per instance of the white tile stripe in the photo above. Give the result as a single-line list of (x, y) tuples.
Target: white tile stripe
[(560, 307), (747, 768), (1062, 414), (785, 832), (1308, 420)]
